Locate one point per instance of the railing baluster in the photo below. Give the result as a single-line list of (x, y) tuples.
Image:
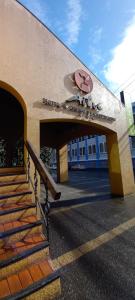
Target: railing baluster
[(28, 167), (47, 209), (35, 184), (48, 182)]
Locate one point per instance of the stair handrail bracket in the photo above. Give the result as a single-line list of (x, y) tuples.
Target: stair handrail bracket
[(49, 184)]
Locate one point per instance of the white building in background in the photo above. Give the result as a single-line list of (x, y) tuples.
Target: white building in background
[(91, 152), (88, 152)]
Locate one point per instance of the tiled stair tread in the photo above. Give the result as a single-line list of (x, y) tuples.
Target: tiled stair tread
[(17, 172), (13, 182), (24, 279), (15, 227), (15, 193), (11, 208), (15, 206), (23, 245), (17, 223), (17, 200), (10, 250)]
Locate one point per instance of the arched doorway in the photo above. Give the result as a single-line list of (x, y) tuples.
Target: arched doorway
[(58, 132), (11, 131)]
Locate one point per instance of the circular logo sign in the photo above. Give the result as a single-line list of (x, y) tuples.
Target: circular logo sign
[(83, 81)]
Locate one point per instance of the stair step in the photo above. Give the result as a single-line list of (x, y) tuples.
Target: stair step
[(12, 177), (15, 200), (14, 249), (25, 268), (15, 194), (37, 281), (13, 182), (7, 187), (12, 171), (16, 211), (7, 228), (14, 207), (15, 256), (14, 230)]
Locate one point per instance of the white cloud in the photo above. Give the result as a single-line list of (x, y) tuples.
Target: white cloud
[(120, 70), (97, 35), (95, 56), (73, 25), (94, 46)]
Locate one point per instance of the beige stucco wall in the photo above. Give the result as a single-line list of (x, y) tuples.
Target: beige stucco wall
[(37, 65)]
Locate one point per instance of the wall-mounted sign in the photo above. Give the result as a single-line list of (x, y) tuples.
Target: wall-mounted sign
[(79, 106), (85, 101), (83, 81)]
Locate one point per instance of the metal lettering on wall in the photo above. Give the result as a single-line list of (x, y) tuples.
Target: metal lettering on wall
[(83, 106)]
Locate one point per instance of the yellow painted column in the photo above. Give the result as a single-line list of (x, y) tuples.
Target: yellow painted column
[(120, 165), (62, 164), (33, 133), (33, 136)]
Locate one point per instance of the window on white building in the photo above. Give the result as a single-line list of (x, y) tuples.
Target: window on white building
[(101, 147), (105, 147), (72, 152), (89, 150), (94, 149), (81, 151)]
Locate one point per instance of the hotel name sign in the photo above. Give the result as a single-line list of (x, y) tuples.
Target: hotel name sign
[(83, 106), (80, 104)]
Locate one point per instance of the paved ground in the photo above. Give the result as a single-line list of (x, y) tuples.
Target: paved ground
[(84, 184), (94, 243)]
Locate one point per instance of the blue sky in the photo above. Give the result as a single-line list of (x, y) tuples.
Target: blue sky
[(100, 32)]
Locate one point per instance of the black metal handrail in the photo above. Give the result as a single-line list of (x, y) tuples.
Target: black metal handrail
[(43, 172), (49, 184)]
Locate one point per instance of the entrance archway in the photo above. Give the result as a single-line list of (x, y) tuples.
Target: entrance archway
[(11, 130), (57, 133)]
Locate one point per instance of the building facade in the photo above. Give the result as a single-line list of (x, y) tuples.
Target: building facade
[(48, 97), (53, 98)]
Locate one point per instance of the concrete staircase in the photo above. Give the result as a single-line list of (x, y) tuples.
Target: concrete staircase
[(26, 270)]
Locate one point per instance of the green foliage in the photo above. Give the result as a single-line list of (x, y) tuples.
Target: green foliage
[(46, 155)]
